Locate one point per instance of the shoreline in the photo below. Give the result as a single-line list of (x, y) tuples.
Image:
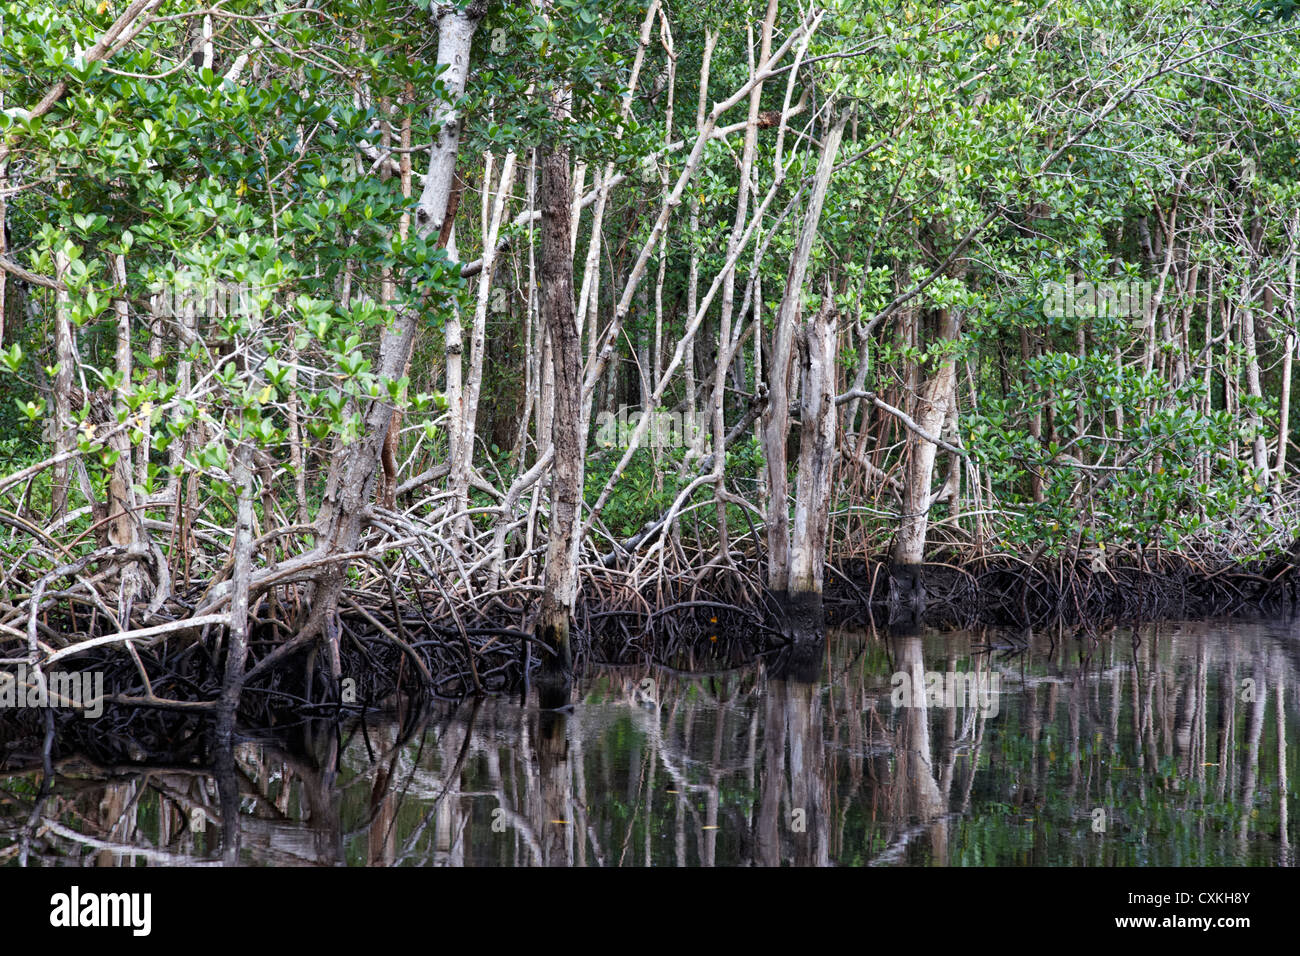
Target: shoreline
[(393, 651)]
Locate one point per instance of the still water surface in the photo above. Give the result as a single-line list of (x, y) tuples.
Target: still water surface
[(1168, 746)]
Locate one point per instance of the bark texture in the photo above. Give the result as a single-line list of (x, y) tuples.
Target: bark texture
[(560, 582), (931, 410), (776, 418)]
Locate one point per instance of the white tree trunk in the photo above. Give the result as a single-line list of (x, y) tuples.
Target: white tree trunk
[(465, 424)]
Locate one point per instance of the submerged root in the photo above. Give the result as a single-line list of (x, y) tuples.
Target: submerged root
[(408, 617)]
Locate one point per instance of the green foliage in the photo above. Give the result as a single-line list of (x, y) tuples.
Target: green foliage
[(994, 149)]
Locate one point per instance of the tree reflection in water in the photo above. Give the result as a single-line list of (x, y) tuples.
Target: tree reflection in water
[(1168, 747)]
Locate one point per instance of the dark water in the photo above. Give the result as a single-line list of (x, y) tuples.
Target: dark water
[(1168, 747)]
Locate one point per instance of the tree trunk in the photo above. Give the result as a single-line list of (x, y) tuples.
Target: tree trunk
[(465, 425), (1259, 449), (351, 484), (124, 527), (776, 417), (907, 589), (560, 581), (1284, 424), (65, 437), (817, 422), (392, 440)]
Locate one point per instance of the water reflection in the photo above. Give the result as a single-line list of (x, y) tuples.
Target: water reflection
[(1169, 746)]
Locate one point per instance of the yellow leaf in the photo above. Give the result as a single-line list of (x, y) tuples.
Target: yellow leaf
[(265, 395), (241, 188)]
